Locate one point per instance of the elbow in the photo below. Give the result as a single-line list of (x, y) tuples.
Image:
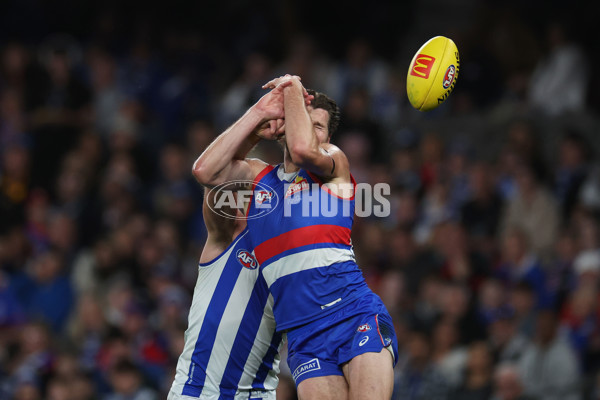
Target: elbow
[(202, 174), (301, 155)]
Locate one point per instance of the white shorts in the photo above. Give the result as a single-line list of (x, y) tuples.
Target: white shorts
[(240, 395)]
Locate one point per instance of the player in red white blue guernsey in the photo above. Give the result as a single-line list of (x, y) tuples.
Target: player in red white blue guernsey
[(341, 341), (231, 350)]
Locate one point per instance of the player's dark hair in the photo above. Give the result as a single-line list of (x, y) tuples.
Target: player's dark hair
[(326, 103)]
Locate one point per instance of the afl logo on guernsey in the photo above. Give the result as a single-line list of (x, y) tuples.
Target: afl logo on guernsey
[(247, 259), (263, 196), (364, 328), (449, 76)]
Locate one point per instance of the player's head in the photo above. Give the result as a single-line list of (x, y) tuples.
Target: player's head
[(326, 123)]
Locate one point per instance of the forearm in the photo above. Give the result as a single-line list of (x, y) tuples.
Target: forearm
[(216, 162), (300, 137)]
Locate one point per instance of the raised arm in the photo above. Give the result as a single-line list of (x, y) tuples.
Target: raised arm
[(224, 159), (307, 136)]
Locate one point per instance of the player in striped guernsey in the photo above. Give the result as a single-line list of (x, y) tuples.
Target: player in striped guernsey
[(231, 349), (341, 339)]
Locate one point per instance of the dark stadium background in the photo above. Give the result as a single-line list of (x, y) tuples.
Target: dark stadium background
[(489, 262)]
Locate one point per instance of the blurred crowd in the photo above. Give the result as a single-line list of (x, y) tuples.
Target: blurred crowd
[(489, 265)]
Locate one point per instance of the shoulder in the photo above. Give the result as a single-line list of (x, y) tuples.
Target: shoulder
[(257, 166), (215, 248)]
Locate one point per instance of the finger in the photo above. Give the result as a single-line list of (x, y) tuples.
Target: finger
[(281, 128), (284, 84), (271, 84), (273, 126)]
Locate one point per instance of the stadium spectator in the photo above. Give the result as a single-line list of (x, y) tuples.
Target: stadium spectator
[(477, 381), (355, 120), (480, 215), (492, 300), (361, 69), (448, 355), (534, 211), (460, 263), (508, 383), (581, 318), (45, 290), (552, 87), (456, 304), (415, 263), (571, 171), (587, 268), (427, 306), (245, 91), (127, 383), (506, 342), (405, 175), (418, 379), (31, 363), (561, 277), (108, 96), (549, 365), (520, 264), (522, 300)]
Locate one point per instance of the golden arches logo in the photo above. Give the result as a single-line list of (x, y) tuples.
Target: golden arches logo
[(422, 66)]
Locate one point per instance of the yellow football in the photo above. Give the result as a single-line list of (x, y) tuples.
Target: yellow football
[(432, 74)]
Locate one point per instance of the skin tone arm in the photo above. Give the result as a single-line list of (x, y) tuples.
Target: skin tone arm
[(307, 138), (224, 159), (221, 230)]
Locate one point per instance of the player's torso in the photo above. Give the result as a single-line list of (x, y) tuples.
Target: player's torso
[(301, 238), (230, 344)]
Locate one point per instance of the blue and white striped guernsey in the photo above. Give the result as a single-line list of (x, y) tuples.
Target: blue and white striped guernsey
[(231, 349)]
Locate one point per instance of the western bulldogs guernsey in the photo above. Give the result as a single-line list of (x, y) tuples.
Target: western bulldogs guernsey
[(231, 349), (307, 259)]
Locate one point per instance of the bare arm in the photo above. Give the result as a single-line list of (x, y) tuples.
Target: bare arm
[(221, 230), (224, 159), (323, 159)]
